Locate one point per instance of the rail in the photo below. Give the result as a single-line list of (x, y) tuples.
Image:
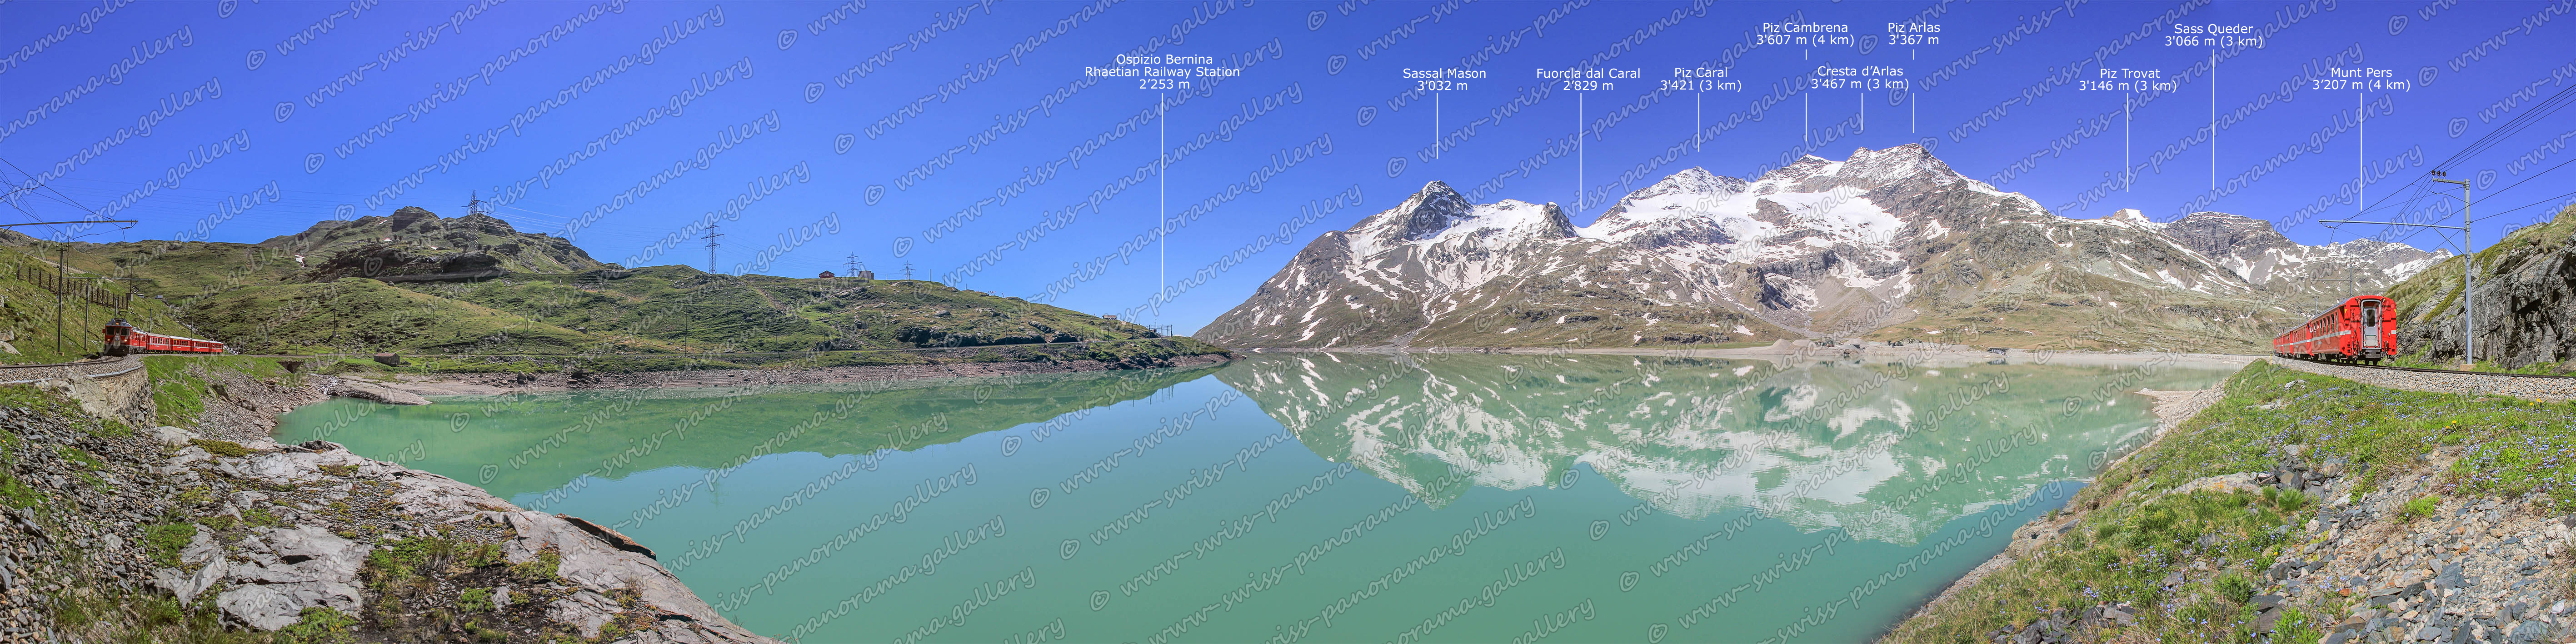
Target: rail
[(75, 363), (2418, 369)]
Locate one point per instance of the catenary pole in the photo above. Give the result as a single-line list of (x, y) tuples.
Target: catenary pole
[(2468, 274)]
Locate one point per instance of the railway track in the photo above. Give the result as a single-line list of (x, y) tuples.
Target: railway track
[(2421, 370), (75, 363), (93, 368)]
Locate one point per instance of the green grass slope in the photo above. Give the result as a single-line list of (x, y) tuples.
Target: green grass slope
[(29, 314), (419, 284), (765, 313), (364, 315)]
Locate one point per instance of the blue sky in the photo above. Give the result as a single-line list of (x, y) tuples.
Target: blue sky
[(964, 138)]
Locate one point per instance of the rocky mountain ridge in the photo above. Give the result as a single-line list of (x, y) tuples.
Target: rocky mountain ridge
[(1887, 244), (414, 244), (2268, 260)]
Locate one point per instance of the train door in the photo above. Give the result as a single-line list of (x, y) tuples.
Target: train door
[(2370, 325), (2371, 334)]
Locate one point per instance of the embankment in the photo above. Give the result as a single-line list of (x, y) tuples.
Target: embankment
[(2301, 507)]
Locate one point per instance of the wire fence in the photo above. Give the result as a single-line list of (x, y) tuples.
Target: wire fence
[(65, 285)]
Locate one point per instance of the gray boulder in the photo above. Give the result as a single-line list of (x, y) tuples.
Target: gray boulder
[(291, 570), (2452, 577), (168, 435), (2527, 633), (353, 388)]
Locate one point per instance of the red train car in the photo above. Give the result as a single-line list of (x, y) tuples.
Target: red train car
[(2358, 330), (123, 339)]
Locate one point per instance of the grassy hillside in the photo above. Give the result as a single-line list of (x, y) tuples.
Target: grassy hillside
[(411, 242), (684, 306), (28, 313), (179, 270), (662, 309), (418, 284), (364, 315)]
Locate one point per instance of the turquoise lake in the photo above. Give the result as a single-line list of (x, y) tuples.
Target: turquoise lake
[(1312, 497)]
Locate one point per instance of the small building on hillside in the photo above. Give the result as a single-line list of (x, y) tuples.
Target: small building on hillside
[(825, 275), (1113, 317), (863, 274)]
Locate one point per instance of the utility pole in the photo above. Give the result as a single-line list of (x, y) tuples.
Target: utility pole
[(474, 206), (63, 258), (711, 237), (2468, 275), (850, 268), (907, 270), (93, 291)]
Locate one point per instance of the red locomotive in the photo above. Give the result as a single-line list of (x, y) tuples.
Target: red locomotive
[(123, 339), (2357, 330)]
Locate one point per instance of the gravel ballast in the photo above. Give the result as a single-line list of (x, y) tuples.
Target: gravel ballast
[(2543, 389)]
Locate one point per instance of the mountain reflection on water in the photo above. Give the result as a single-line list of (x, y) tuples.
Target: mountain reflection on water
[(1884, 451)]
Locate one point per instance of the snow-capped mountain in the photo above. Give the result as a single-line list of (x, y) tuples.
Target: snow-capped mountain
[(1887, 243), (1438, 271)]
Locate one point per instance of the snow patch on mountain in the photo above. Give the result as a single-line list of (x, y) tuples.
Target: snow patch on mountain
[(1816, 247)]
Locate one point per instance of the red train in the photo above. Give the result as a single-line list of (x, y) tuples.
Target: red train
[(123, 339), (2358, 330)]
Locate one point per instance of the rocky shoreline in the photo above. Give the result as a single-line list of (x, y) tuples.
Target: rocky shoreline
[(1783, 351), (119, 530)]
